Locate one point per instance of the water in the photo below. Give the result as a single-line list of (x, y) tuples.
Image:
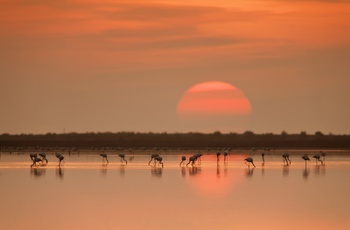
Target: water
[(87, 194)]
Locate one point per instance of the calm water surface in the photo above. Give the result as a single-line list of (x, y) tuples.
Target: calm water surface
[(87, 194)]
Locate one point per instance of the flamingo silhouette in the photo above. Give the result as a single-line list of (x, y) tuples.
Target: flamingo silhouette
[(192, 159), (263, 157), (323, 154), (249, 160), (43, 157), (183, 158), (60, 158), (305, 158), (199, 156), (225, 156), (122, 156), (218, 156), (33, 156), (104, 156), (286, 158), (159, 160), (36, 160), (152, 158), (318, 158)]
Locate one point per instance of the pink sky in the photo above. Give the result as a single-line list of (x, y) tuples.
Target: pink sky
[(124, 65)]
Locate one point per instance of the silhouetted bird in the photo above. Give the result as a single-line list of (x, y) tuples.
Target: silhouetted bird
[(286, 158), (318, 158), (183, 158), (191, 160), (104, 156), (159, 160), (36, 160), (43, 157), (218, 156), (199, 156), (249, 160), (305, 158), (122, 156), (32, 156), (60, 158), (263, 157), (225, 156), (152, 158), (323, 154)]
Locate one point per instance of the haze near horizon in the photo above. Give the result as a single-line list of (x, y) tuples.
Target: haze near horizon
[(98, 66)]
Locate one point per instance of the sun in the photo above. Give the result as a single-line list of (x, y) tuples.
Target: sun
[(213, 106)]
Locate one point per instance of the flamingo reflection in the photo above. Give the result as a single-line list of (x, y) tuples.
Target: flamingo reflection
[(59, 172), (249, 172), (156, 171)]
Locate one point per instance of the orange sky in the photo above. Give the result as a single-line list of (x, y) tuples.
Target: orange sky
[(124, 65)]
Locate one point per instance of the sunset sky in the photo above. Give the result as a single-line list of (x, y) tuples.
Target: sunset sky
[(104, 65)]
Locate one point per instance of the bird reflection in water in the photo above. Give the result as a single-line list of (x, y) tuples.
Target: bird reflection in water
[(193, 170), (263, 168), (320, 169), (249, 171), (183, 171), (104, 169), (285, 170), (59, 172), (306, 173), (37, 172), (156, 171), (122, 170)]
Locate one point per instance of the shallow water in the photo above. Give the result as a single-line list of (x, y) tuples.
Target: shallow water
[(87, 194)]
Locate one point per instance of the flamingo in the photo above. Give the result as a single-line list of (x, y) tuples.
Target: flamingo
[(104, 156), (43, 157), (263, 157), (249, 160), (36, 160), (33, 156), (199, 155), (225, 156), (183, 158), (192, 160), (305, 158), (323, 154), (122, 156), (286, 158), (152, 157), (159, 159), (218, 156), (60, 158), (318, 158)]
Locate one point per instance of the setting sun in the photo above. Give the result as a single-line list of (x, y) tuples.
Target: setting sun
[(211, 106), (214, 98)]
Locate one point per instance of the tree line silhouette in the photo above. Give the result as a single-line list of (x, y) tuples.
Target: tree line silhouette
[(189, 140)]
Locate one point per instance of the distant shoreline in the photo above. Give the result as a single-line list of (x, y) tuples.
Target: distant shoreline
[(172, 141)]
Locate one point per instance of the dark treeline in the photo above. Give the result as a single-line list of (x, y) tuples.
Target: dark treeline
[(177, 140)]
